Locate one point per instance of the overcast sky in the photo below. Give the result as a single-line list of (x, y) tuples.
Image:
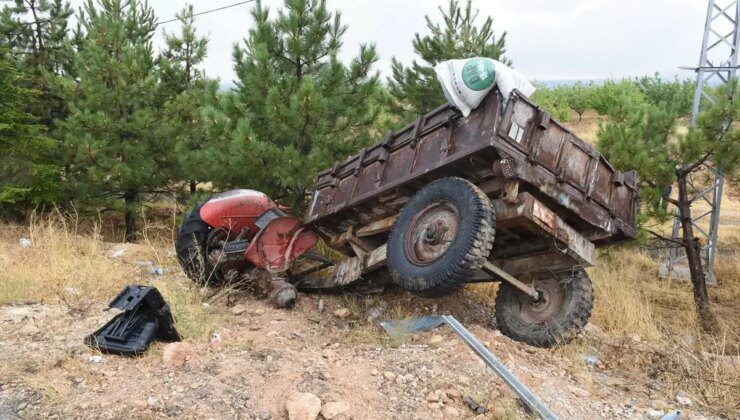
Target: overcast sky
[(547, 39)]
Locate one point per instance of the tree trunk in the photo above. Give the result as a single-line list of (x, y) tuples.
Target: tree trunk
[(131, 202), (693, 256), (192, 187)]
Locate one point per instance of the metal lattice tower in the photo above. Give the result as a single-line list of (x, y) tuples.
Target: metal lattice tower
[(717, 66)]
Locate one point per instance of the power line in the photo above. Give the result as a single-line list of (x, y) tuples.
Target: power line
[(208, 11), (205, 12)]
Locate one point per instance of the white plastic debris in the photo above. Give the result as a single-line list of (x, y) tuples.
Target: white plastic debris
[(25, 243), (591, 360), (673, 415), (466, 82), (96, 359), (153, 268)]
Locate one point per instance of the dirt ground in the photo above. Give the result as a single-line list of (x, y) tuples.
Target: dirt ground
[(257, 356)]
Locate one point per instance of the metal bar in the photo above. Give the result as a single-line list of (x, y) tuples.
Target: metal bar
[(519, 388), (492, 269), (428, 323)]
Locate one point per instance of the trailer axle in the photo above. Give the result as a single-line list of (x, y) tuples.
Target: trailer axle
[(493, 270)]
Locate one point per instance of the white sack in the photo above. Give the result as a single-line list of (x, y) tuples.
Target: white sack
[(466, 82)]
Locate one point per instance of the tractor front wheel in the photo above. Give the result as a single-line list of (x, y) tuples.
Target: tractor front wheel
[(191, 247)]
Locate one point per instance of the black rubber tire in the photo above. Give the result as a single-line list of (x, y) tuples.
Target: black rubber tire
[(562, 327), (190, 246), (467, 252)]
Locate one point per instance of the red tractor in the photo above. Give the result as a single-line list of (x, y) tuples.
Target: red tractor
[(242, 236), (507, 195)]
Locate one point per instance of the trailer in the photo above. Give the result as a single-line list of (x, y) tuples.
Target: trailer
[(507, 194)]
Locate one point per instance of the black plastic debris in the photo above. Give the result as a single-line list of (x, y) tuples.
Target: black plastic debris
[(146, 317), (474, 406)]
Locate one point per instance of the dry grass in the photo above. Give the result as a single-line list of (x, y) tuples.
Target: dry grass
[(76, 267), (652, 330)]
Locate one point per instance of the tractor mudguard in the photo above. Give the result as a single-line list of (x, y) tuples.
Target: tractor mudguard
[(280, 242), (236, 209)]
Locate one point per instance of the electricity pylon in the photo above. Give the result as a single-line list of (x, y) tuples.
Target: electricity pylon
[(717, 66)]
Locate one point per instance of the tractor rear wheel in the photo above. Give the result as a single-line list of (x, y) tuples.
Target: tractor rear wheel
[(191, 247), (556, 318), (441, 237)]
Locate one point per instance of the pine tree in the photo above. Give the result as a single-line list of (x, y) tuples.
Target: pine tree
[(117, 153), (416, 88), (297, 107), (186, 88), (644, 138), (36, 34), (26, 178)]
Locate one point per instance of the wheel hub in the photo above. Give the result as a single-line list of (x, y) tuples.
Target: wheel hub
[(550, 302), (431, 232)]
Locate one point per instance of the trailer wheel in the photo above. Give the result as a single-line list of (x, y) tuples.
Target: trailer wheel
[(441, 237), (190, 246), (556, 318)]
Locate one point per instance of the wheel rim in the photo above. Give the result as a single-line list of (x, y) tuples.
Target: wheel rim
[(431, 233), (552, 299)]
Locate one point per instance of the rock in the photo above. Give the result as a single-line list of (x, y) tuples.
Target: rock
[(451, 412), (342, 313), (29, 329), (389, 375), (176, 354), (95, 359), (463, 379), (654, 414), (374, 372), (238, 309), (442, 396), (303, 406), (335, 409), (153, 403), (453, 394), (684, 399), (376, 312), (435, 341), (432, 397), (578, 392), (594, 330), (327, 354), (256, 312), (264, 415), (636, 338), (272, 333), (139, 404)]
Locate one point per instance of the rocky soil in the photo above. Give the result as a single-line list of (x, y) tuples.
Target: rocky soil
[(326, 358)]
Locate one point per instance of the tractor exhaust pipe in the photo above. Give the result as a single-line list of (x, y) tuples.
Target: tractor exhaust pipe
[(281, 293)]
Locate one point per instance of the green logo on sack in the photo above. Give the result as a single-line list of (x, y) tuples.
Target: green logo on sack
[(478, 74)]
